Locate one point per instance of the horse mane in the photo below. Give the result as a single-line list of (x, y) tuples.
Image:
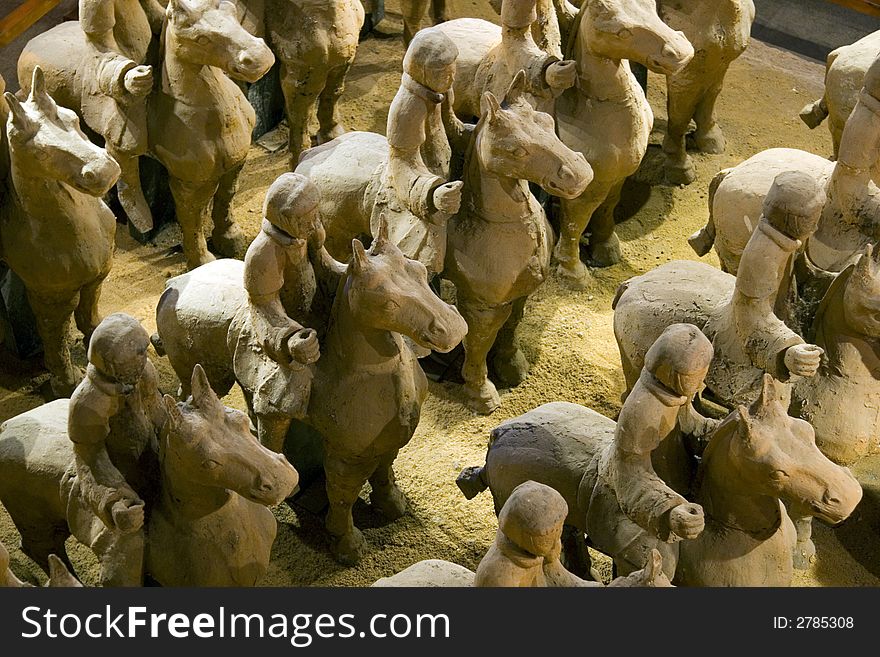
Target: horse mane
[(722, 434)]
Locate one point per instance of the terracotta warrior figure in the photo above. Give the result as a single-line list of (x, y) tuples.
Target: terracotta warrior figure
[(753, 335), (280, 281), (418, 197), (114, 419), (114, 93), (647, 466), (490, 57), (528, 543)]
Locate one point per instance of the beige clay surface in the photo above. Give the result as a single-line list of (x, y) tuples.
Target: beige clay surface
[(567, 335)]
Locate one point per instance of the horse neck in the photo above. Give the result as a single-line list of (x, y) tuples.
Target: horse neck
[(38, 196), (352, 345), (849, 354), (727, 500), (183, 497), (501, 199), (194, 84), (601, 78)]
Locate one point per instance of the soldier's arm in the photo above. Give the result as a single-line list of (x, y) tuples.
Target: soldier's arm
[(155, 14), (97, 19)]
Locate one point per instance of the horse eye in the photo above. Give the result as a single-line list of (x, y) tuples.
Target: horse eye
[(518, 151), (778, 475), (203, 40), (210, 464)]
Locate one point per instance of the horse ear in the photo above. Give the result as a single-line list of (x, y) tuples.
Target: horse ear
[(489, 106), (20, 120), (654, 566), (204, 397), (516, 89), (39, 95), (381, 240), (183, 10), (769, 393), (359, 256), (175, 417), (746, 423)]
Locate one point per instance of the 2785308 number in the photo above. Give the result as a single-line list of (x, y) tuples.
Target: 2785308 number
[(813, 622)]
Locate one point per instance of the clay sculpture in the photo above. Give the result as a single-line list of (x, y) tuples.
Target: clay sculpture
[(194, 104), (606, 117), (526, 551), (59, 575), (489, 57), (368, 387), (843, 330), (208, 524), (57, 233), (511, 144), (97, 67), (756, 457), (315, 43), (845, 71), (719, 31), (745, 317), (850, 217)]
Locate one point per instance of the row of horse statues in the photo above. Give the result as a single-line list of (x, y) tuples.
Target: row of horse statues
[(731, 437)]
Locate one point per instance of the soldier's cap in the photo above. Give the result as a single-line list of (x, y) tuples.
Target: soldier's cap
[(532, 512), (681, 348), (429, 48), (793, 194), (291, 195), (518, 13)]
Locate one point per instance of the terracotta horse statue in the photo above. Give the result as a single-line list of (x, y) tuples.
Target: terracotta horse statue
[(498, 245), (755, 459), (315, 43), (606, 116), (368, 387), (845, 326), (199, 121), (209, 524), (56, 232)]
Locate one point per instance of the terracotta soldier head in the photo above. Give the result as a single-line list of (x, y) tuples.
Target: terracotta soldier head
[(430, 60), (291, 205), (680, 358), (794, 203), (518, 13), (532, 518), (118, 349)]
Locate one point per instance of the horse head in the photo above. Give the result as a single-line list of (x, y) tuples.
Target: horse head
[(208, 445), (45, 141), (388, 291), (651, 576), (632, 29), (208, 33), (861, 298), (517, 141), (775, 455)]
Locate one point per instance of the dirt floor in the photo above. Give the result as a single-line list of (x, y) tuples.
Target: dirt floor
[(567, 336)]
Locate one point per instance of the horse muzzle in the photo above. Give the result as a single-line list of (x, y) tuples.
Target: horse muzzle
[(97, 176), (571, 179), (675, 54), (444, 333), (253, 63), (273, 485)]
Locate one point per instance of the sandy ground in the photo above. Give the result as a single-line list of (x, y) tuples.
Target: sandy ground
[(567, 336)]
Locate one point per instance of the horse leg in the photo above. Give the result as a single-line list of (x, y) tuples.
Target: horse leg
[(386, 497), (603, 247), (301, 87), (509, 365), (121, 557), (680, 106), (53, 316), (86, 313), (131, 194), (804, 549), (574, 216), (708, 135), (438, 11), (344, 482), (329, 120), (191, 201), (272, 430), (483, 323), (226, 237), (575, 555), (413, 11)]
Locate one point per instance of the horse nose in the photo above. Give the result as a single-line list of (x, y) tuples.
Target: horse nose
[(830, 499), (100, 174), (245, 60)]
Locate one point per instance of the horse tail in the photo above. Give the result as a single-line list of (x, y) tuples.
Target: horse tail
[(472, 481), (703, 240), (158, 345), (623, 287), (814, 113)]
